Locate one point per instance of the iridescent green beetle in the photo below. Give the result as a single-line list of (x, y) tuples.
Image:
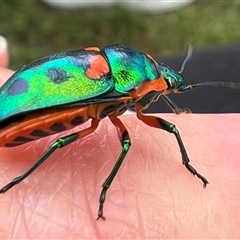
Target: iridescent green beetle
[(61, 91)]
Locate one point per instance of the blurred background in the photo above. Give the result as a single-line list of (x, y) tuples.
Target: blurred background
[(35, 28)]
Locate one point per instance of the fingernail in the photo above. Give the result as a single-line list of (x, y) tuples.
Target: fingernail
[(4, 55), (3, 44)]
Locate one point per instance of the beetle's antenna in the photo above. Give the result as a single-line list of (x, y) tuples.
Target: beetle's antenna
[(232, 85), (187, 58)]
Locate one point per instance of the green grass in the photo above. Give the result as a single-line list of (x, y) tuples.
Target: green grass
[(35, 30)]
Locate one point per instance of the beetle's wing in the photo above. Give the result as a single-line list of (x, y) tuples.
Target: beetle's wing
[(56, 80)]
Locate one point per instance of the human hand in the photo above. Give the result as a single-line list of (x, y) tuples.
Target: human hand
[(153, 195)]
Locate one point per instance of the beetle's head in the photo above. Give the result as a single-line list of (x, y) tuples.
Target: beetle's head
[(174, 80)]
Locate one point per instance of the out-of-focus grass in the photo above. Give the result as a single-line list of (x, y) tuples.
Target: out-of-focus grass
[(35, 30)]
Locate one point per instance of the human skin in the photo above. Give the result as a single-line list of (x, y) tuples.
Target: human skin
[(152, 196)]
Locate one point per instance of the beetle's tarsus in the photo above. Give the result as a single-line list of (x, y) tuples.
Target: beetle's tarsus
[(192, 170), (101, 202), (100, 216), (11, 184), (7, 187)]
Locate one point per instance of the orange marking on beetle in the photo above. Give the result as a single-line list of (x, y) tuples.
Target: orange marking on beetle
[(92, 49), (98, 67), (157, 85), (149, 56), (43, 122)]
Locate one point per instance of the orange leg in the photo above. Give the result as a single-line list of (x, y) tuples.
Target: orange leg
[(61, 142), (169, 127)]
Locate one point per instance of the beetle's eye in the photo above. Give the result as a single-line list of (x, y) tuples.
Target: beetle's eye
[(170, 81)]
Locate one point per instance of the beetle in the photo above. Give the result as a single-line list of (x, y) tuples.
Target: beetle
[(64, 90)]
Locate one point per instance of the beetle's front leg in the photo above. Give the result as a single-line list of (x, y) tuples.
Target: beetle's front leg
[(126, 143), (169, 127), (175, 108)]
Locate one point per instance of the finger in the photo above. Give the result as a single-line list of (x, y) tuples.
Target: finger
[(4, 54), (5, 74), (152, 194)]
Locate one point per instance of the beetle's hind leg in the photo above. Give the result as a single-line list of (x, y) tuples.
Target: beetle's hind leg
[(61, 142), (169, 127), (126, 143)]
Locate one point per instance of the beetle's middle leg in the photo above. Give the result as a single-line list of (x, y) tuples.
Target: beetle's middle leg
[(126, 143), (61, 142), (169, 127)]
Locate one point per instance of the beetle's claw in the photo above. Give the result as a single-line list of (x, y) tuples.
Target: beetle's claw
[(102, 217)]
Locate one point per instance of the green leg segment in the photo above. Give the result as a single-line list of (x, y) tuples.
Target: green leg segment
[(126, 143), (61, 142), (169, 127)]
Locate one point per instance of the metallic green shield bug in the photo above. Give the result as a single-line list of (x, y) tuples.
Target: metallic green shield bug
[(64, 90)]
